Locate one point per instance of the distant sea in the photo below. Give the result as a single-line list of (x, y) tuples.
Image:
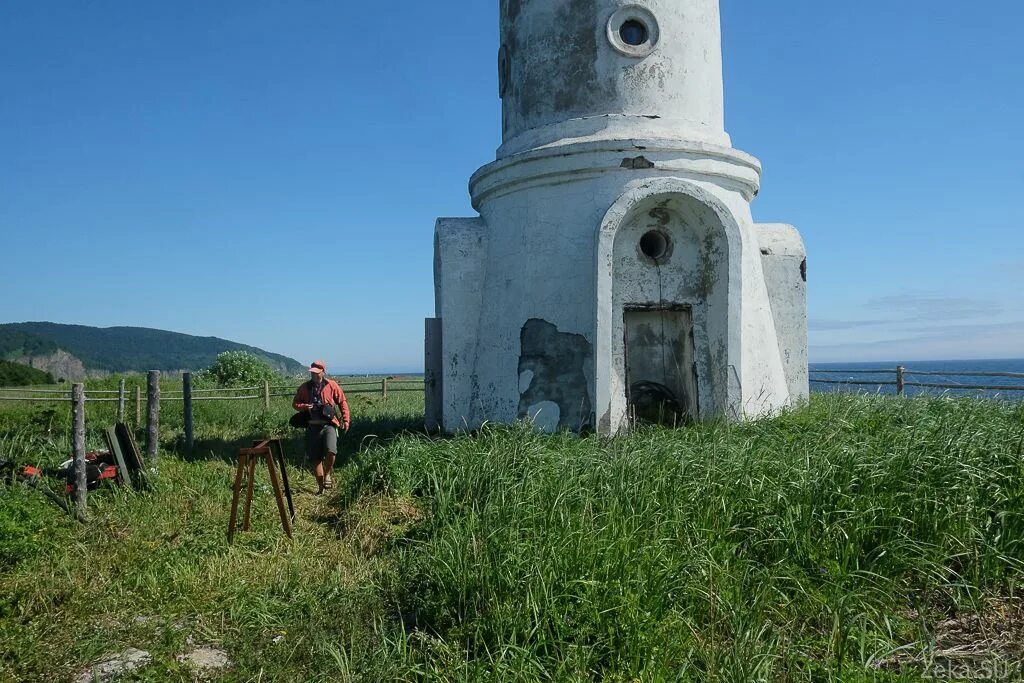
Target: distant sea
[(949, 373)]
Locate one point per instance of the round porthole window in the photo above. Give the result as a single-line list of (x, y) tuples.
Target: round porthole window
[(656, 246), (633, 31)]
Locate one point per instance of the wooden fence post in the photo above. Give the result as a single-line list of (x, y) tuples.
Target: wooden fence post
[(138, 406), (153, 415), (384, 389), (120, 400), (901, 381), (186, 391), (78, 419), (266, 394)]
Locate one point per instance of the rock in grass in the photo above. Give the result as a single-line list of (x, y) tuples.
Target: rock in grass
[(205, 659), (126, 662)]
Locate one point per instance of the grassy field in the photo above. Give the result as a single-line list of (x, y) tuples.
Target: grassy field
[(857, 539)]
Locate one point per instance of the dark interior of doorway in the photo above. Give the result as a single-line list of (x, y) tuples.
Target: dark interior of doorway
[(661, 375)]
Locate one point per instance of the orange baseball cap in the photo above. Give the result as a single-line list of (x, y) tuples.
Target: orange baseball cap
[(318, 366)]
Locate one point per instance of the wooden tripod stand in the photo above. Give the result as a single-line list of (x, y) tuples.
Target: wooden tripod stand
[(247, 458)]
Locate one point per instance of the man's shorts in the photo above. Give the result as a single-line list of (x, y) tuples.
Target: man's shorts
[(321, 440)]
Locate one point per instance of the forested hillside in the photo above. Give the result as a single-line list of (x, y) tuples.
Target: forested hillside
[(125, 349), (16, 343)]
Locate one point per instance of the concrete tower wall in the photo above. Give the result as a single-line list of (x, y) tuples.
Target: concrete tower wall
[(548, 308), (566, 72)]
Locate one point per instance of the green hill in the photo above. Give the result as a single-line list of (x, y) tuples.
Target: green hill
[(17, 375), (125, 349), (15, 343)]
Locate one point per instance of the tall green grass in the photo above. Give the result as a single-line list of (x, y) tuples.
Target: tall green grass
[(153, 570), (798, 547), (830, 543)]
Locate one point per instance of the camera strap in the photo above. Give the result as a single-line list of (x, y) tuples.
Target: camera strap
[(316, 396)]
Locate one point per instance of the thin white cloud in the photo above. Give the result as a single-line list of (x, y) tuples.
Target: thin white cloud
[(939, 342), (918, 306), (922, 325), (909, 310), (831, 325)]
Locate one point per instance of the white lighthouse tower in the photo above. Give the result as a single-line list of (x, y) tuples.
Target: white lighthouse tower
[(615, 271)]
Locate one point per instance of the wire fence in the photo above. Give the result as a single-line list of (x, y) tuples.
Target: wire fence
[(381, 387), (904, 378), (78, 398)]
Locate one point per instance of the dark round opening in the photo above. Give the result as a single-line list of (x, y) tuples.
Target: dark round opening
[(634, 32), (654, 245)]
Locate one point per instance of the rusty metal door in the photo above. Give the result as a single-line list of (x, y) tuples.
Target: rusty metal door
[(661, 376)]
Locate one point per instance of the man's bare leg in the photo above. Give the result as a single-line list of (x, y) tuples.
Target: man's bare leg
[(329, 465), (318, 472)]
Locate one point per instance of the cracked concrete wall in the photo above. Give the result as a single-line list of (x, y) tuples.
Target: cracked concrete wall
[(760, 372), (785, 273), (542, 259), (754, 382), (597, 146), (553, 386), (561, 75), (695, 273), (459, 266), (539, 253)]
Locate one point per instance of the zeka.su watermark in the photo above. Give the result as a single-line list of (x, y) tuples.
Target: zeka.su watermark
[(973, 669)]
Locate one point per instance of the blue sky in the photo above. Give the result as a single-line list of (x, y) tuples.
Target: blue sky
[(270, 171)]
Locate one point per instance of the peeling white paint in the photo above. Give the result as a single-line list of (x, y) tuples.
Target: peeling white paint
[(525, 379), (545, 416)]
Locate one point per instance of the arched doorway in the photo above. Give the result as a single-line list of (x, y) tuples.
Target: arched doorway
[(668, 318)]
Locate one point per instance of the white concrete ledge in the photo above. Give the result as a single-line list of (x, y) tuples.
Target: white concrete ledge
[(574, 162)]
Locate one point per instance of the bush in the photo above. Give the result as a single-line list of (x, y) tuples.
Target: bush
[(239, 368), (25, 521), (17, 375)]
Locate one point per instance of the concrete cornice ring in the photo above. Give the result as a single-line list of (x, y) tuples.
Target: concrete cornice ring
[(557, 164)]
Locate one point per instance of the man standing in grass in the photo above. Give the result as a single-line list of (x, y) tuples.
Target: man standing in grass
[(328, 411)]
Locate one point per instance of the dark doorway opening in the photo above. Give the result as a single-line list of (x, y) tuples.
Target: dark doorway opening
[(661, 376)]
